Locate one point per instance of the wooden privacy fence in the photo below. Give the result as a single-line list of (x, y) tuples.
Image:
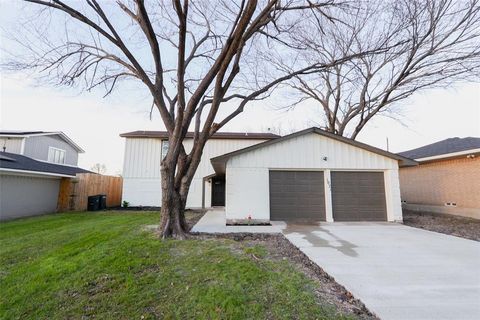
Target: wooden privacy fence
[(74, 192)]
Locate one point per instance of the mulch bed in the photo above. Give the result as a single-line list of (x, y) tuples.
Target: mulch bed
[(193, 216), (279, 248), (463, 227), (134, 208)]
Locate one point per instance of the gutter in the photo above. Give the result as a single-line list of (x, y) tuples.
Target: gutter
[(35, 173)]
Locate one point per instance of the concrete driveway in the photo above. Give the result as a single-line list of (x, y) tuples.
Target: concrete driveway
[(399, 272)]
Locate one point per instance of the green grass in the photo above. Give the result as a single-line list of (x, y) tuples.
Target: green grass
[(104, 265)]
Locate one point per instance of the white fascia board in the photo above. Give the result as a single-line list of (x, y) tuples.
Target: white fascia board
[(449, 155), (13, 136), (34, 173)]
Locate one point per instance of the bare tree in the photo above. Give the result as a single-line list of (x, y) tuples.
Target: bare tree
[(429, 43), (99, 168), (192, 56)]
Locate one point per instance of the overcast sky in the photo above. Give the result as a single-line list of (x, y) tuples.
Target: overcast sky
[(95, 122)]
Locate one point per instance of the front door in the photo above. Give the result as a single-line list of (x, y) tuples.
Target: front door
[(218, 191)]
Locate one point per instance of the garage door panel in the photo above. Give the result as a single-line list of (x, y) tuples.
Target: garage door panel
[(358, 196), (297, 195)]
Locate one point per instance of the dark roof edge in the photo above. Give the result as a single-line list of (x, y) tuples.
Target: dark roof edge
[(218, 135), (404, 162), (445, 147), (12, 162)]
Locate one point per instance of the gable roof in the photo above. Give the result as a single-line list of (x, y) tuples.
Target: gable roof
[(12, 162), (219, 162), (217, 135), (444, 147), (26, 134)]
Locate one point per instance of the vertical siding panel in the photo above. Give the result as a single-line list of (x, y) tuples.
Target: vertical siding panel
[(37, 147), (308, 152), (142, 168), (12, 145)]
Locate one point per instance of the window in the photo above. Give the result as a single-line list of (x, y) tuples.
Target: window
[(164, 148), (56, 155)]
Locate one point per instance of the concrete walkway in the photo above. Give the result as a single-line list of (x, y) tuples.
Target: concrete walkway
[(214, 221), (399, 272)]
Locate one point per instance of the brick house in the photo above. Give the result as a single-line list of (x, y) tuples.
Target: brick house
[(447, 179)]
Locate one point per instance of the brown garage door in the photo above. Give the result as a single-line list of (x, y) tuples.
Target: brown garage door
[(358, 196), (297, 195)]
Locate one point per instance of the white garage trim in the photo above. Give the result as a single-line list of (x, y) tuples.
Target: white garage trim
[(327, 184)]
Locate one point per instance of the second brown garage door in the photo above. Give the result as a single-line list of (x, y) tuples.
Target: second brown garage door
[(297, 195), (358, 196)]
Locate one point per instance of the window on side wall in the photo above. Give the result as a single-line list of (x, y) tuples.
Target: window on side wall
[(164, 148), (56, 155)]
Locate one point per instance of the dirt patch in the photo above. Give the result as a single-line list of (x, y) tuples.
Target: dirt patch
[(192, 216), (279, 249), (135, 208), (463, 227)]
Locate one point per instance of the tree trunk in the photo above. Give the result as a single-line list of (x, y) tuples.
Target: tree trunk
[(172, 213)]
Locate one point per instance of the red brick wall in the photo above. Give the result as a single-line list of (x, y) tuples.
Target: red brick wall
[(444, 181)]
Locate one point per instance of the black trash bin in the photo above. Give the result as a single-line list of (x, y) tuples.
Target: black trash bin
[(103, 201), (93, 203)]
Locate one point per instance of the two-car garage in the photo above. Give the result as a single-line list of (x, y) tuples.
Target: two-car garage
[(311, 175), (300, 195)]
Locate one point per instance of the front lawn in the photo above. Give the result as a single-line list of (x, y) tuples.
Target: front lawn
[(106, 266)]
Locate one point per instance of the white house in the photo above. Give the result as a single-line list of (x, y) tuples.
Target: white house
[(141, 166), (310, 174)]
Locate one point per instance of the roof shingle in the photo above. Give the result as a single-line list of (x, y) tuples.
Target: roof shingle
[(19, 162), (446, 146)]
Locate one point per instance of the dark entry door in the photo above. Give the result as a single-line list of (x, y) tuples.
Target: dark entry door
[(358, 196), (297, 195), (218, 191)]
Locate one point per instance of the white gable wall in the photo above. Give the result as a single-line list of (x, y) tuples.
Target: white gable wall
[(12, 145), (247, 174), (141, 169)]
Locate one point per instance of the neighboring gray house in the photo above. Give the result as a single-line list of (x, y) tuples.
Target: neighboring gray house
[(31, 167), (54, 147)]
